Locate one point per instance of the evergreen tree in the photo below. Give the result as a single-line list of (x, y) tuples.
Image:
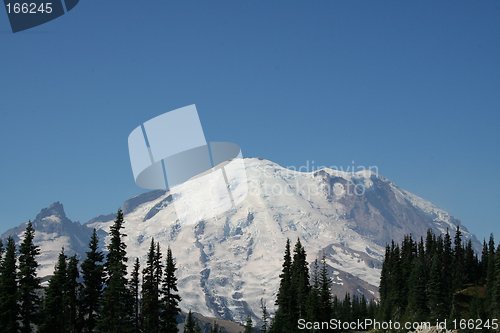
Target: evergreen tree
[(170, 297), (346, 308), (407, 255), (335, 307), (458, 261), (313, 300), (9, 310), (325, 297), (435, 291), (470, 273), (384, 287), (282, 322), (189, 326), (150, 291), (484, 262), (248, 325), (417, 300), (430, 242), (116, 313), (446, 264), (134, 288), (158, 266), (299, 282), (496, 290), (29, 283), (363, 308), (54, 309), (372, 309), (72, 286), (490, 277), (265, 317), (395, 296), (91, 289), (215, 328), (358, 307)]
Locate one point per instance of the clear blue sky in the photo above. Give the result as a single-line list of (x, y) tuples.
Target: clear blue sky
[(411, 87)]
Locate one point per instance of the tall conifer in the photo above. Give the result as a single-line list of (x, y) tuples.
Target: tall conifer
[(134, 288), (9, 309), (150, 292), (55, 314), (92, 284), (170, 297), (29, 283), (117, 310)]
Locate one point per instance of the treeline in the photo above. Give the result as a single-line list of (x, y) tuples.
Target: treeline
[(94, 296), (440, 278), (308, 296)]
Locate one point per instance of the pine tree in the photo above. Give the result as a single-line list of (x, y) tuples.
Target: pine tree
[(458, 261), (282, 318), (158, 266), (346, 308), (151, 291), (484, 263), (29, 283), (170, 297), (363, 308), (430, 242), (496, 290), (335, 307), (215, 328), (435, 291), (116, 314), (396, 282), (384, 288), (248, 325), (325, 297), (417, 300), (9, 310), (446, 265), (470, 274), (189, 325), (265, 317), (408, 254), (72, 286), (358, 307), (299, 282), (313, 300), (134, 287), (372, 309), (91, 289), (54, 309), (490, 277)]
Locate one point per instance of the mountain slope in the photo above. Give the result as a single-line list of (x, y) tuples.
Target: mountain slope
[(229, 262)]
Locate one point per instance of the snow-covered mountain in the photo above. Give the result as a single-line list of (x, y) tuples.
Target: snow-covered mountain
[(53, 230), (227, 263)]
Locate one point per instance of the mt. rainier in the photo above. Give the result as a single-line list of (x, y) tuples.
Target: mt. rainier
[(228, 263)]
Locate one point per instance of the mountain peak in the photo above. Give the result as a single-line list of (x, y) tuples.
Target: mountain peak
[(54, 213)]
